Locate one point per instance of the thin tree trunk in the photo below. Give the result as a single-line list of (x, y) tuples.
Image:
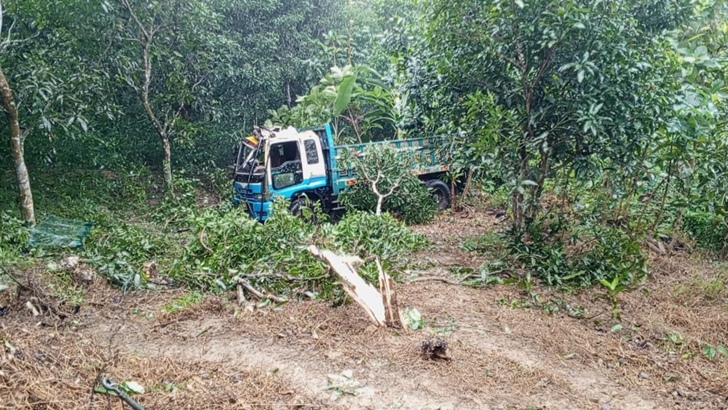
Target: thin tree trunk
[(537, 191), (163, 128), (518, 197), (167, 164), (17, 141)]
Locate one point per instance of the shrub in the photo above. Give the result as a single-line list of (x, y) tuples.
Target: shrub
[(367, 234), (222, 246), (14, 236), (410, 199), (119, 250), (564, 253), (709, 230)]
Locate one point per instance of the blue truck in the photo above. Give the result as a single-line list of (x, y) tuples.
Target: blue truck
[(304, 166)]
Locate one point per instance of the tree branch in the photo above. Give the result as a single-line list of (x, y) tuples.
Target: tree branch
[(135, 18)]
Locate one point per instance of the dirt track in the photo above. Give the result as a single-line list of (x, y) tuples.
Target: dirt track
[(504, 356)]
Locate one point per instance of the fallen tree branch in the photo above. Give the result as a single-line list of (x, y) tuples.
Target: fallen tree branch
[(437, 279), (202, 241), (282, 276), (460, 281), (244, 283)]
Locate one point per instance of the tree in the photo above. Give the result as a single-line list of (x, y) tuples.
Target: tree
[(360, 106), (580, 85), (385, 183), (46, 76), (179, 52), (17, 141)]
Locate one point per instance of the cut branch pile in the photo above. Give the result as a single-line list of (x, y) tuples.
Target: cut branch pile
[(381, 305)]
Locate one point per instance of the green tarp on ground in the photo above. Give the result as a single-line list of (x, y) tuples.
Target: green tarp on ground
[(55, 232)]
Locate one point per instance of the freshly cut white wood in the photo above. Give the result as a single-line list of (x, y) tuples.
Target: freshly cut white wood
[(363, 293), (392, 314)]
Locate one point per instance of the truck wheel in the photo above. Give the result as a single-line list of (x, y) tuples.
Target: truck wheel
[(441, 193), (300, 204)]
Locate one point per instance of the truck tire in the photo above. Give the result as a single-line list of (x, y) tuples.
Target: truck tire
[(441, 193), (299, 204)]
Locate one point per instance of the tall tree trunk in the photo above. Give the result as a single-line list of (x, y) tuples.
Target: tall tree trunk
[(17, 140), (163, 128)]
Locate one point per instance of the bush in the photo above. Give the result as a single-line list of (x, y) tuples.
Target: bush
[(119, 250), (581, 253), (221, 246), (709, 230), (410, 201), (14, 237), (366, 234)]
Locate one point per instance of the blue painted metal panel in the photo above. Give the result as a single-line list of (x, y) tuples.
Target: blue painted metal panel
[(258, 208)]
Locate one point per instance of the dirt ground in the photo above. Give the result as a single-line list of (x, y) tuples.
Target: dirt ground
[(505, 353)]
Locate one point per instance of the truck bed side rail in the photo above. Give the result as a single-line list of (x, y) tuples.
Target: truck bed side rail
[(429, 157)]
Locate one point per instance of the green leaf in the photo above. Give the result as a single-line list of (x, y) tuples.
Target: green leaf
[(413, 318), (83, 123), (722, 350), (709, 352), (10, 346), (616, 328), (343, 96), (132, 387)]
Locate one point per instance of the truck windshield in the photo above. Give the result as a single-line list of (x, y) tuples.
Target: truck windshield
[(249, 166)]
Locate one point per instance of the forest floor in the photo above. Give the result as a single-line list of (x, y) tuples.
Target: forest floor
[(564, 352)]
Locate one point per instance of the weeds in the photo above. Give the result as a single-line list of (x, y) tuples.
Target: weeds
[(614, 288), (14, 237), (563, 253), (183, 302)]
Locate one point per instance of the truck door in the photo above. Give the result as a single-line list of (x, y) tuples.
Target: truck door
[(314, 169), (285, 165)]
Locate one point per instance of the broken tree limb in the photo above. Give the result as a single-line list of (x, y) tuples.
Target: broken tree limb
[(255, 292), (392, 314), (381, 307)]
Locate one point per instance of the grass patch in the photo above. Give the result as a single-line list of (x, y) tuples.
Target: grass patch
[(182, 302)]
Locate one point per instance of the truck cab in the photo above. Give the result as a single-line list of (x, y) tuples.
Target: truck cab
[(280, 162)]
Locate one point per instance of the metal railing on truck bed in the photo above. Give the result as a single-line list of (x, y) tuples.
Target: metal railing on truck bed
[(429, 157)]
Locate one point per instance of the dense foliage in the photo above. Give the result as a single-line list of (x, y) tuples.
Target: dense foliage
[(598, 125), (386, 184)]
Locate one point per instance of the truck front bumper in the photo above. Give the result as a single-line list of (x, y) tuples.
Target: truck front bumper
[(256, 208)]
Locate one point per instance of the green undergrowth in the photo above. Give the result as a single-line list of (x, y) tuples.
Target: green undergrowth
[(223, 247), (142, 238), (563, 253), (14, 236)]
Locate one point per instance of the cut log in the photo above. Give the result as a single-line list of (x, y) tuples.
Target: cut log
[(381, 307)]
